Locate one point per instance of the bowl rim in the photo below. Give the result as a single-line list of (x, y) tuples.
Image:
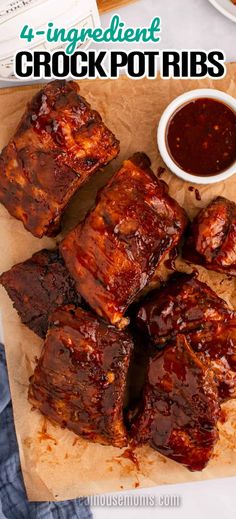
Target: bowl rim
[(179, 101)]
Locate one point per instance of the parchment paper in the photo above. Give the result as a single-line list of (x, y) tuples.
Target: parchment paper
[(56, 464)]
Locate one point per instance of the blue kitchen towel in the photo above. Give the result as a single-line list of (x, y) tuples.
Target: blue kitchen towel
[(13, 499)]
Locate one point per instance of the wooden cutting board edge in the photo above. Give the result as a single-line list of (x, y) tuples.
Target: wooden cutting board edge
[(109, 5)]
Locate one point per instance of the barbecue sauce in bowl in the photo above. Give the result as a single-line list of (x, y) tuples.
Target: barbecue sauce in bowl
[(201, 137)]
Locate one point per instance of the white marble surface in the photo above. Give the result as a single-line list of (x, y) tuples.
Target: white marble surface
[(186, 24), (207, 500)]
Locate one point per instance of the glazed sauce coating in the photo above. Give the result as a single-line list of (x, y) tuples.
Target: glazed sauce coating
[(113, 253), (59, 144), (80, 379), (201, 137), (211, 240), (183, 305), (179, 412), (37, 286), (190, 307)]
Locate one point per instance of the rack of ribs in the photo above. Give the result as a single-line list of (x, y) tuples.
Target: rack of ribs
[(114, 252), (179, 411), (59, 143), (211, 239), (80, 379), (37, 286), (188, 306)]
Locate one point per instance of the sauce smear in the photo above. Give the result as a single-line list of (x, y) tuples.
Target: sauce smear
[(201, 137)]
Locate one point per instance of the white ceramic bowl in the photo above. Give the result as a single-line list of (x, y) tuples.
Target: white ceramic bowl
[(226, 7), (162, 127)]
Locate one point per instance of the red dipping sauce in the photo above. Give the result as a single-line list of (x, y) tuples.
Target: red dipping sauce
[(201, 137)]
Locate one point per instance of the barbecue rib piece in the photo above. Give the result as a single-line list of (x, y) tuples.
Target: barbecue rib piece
[(59, 143), (190, 307), (37, 286), (179, 412), (113, 253), (80, 378), (212, 237)]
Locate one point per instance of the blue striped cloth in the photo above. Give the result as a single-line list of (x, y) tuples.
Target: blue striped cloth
[(13, 500)]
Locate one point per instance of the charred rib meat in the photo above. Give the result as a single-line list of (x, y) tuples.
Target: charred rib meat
[(190, 307), (80, 379), (59, 143), (179, 412), (114, 252), (212, 237), (37, 286)]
